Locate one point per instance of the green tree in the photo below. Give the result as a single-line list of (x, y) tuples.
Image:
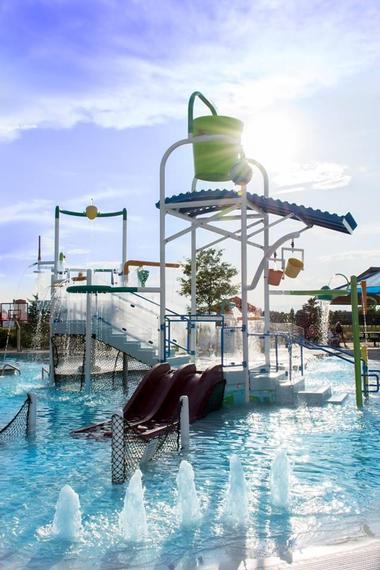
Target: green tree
[(309, 318), (214, 280)]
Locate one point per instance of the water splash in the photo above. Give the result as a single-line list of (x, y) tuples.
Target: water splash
[(188, 502), (236, 507), (280, 476), (67, 523), (132, 519), (325, 321)]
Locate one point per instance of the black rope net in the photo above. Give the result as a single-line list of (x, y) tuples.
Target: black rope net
[(111, 368), (131, 449), (18, 426)]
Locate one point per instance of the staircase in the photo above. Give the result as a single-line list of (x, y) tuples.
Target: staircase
[(135, 340), (142, 351)]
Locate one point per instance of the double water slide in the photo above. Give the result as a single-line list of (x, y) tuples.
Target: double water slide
[(155, 403)]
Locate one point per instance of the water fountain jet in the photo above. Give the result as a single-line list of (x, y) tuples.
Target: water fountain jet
[(280, 479), (236, 507), (67, 523), (132, 519), (188, 502)]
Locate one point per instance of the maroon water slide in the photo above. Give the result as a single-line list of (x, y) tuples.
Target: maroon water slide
[(155, 402), (143, 404), (205, 391)]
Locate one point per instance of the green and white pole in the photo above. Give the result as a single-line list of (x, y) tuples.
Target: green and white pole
[(356, 341), (88, 338), (355, 325)]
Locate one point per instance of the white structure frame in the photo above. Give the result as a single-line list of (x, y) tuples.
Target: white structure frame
[(246, 211)]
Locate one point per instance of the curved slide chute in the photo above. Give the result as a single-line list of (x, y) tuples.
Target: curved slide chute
[(155, 402)]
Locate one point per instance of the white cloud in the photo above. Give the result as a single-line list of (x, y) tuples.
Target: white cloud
[(249, 56), (78, 251), (368, 229), (313, 176), (352, 255), (38, 210)]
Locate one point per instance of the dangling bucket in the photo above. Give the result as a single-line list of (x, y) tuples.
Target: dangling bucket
[(293, 267), (214, 160), (326, 297), (275, 276)]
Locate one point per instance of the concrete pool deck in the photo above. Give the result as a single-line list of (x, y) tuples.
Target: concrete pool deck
[(363, 554)]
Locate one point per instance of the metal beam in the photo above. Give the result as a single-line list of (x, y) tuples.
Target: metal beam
[(269, 252), (224, 238), (202, 203), (275, 223)]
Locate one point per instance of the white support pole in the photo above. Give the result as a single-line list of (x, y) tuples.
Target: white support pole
[(54, 277), (244, 292), (185, 422), (88, 338), (118, 448), (56, 242), (290, 352), (124, 245), (193, 330), (163, 209), (266, 292), (32, 415), (51, 362), (162, 279), (266, 265)]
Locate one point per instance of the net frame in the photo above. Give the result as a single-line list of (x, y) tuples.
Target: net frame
[(111, 368), (18, 426), (131, 450)]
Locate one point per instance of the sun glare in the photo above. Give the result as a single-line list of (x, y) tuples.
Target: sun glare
[(274, 139)]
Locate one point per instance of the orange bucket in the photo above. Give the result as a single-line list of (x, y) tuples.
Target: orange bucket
[(275, 276), (293, 267)]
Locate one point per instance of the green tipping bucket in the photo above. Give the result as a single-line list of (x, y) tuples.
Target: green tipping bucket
[(213, 160), (326, 297)]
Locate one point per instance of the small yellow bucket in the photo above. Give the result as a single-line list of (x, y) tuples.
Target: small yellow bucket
[(293, 267)]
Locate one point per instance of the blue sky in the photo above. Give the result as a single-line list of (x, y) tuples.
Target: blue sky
[(92, 92)]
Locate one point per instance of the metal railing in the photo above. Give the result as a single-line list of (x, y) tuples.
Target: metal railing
[(44, 373), (9, 367), (191, 322)]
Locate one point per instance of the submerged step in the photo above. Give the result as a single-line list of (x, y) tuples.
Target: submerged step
[(337, 398), (266, 380), (176, 361), (315, 397)]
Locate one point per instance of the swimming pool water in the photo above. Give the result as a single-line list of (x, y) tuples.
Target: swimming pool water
[(336, 471)]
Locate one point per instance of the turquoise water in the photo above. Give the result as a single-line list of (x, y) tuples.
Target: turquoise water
[(334, 452)]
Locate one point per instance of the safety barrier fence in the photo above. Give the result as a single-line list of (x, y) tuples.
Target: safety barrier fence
[(23, 424), (131, 450)]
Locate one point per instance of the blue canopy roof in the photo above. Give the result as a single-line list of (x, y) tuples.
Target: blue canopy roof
[(372, 278), (345, 224)]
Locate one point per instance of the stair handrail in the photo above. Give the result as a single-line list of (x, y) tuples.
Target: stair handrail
[(125, 332), (9, 366), (145, 299)]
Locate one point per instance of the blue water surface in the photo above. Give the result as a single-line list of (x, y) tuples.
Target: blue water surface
[(334, 451)]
